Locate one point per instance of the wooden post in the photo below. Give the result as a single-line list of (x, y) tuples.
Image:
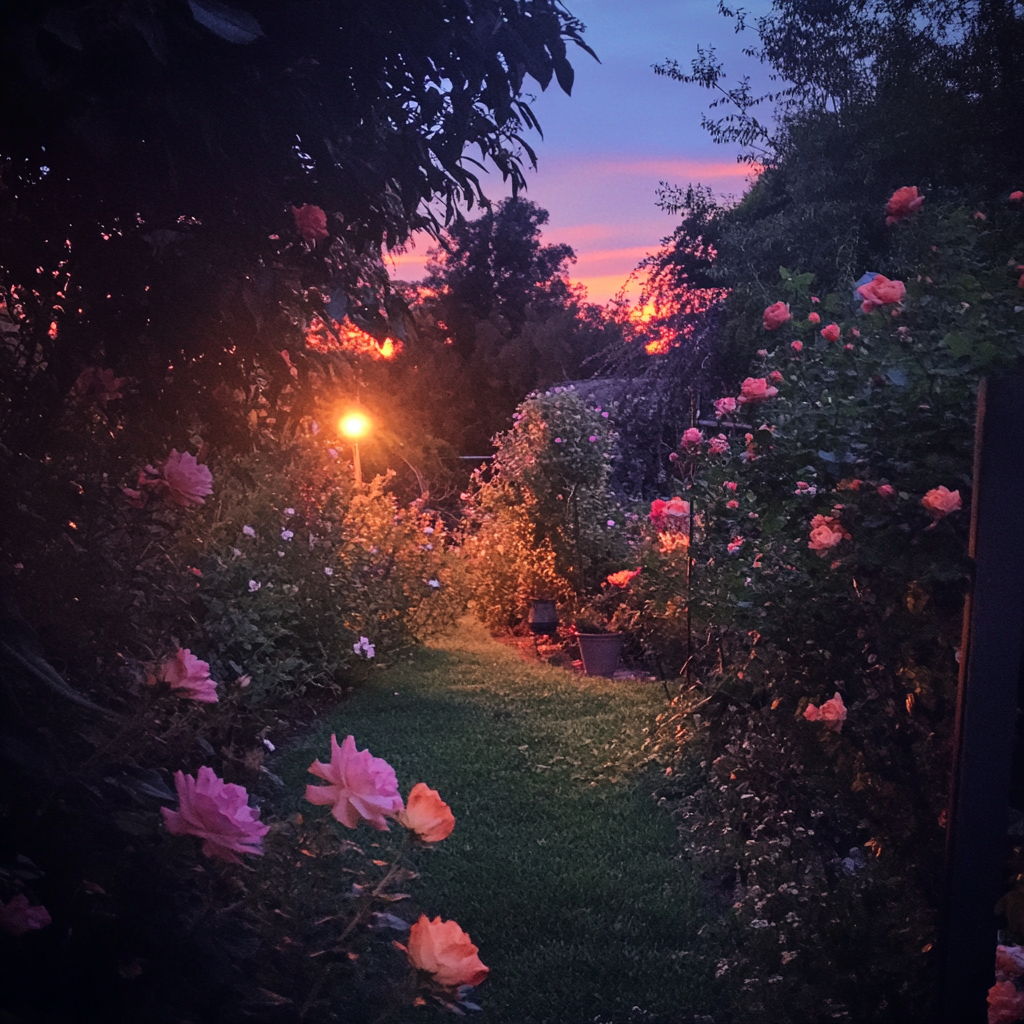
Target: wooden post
[(990, 662)]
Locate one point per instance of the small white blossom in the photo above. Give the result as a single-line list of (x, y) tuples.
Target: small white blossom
[(236, 552), (434, 583), (428, 529), (611, 522), (270, 746), (328, 571), (248, 531), (287, 535), (289, 511), (254, 586)]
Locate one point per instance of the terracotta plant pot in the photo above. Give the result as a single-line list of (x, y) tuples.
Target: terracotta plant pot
[(600, 652)]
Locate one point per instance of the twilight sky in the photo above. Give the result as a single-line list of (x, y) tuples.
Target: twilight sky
[(623, 130)]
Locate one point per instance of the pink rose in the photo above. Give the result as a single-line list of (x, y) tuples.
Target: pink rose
[(724, 407), (830, 333), (903, 203), (826, 533), (732, 504), (755, 389), (880, 291), (692, 439), (187, 481), (671, 515), (730, 485), (734, 545), (1005, 1003), (775, 377), (426, 815), (1016, 197), (832, 713), (361, 786), (187, 677), (886, 490), (776, 315), (719, 445), (310, 222), (762, 352), (444, 951), (940, 501), (797, 346), (855, 332), (815, 299), (218, 813), (18, 917), (813, 318), (847, 348)]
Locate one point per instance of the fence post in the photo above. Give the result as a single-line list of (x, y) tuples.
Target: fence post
[(990, 665)]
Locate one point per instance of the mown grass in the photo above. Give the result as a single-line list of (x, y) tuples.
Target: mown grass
[(561, 867)]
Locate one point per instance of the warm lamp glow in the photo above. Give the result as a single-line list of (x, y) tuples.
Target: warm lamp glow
[(355, 425)]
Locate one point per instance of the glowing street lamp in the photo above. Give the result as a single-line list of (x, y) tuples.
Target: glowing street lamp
[(355, 425)]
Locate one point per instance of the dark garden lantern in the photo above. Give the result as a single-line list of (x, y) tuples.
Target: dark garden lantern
[(543, 617)]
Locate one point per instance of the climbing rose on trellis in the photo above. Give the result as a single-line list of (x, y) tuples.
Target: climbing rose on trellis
[(187, 677), (445, 952), (831, 714), (724, 407), (692, 439), (361, 786), (718, 445), (903, 203), (218, 813), (776, 315), (830, 333), (426, 815), (19, 917)]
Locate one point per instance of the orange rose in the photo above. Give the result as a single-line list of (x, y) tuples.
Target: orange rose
[(940, 501), (903, 203), (427, 815), (444, 951)]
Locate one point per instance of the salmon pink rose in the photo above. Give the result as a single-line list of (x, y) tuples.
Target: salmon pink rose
[(826, 533), (724, 407), (19, 917), (310, 222), (426, 815), (218, 813), (813, 318), (444, 951), (940, 501), (1005, 1003), (670, 515), (797, 346), (886, 490), (903, 203), (361, 786), (880, 291), (1016, 197), (692, 439), (776, 315), (832, 713), (718, 445), (755, 389), (830, 333)]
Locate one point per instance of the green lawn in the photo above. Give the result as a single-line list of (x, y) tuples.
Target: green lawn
[(561, 867)]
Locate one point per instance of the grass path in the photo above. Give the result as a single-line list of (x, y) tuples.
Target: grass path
[(561, 867)]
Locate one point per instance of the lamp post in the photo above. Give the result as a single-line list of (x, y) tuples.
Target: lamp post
[(355, 425)]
